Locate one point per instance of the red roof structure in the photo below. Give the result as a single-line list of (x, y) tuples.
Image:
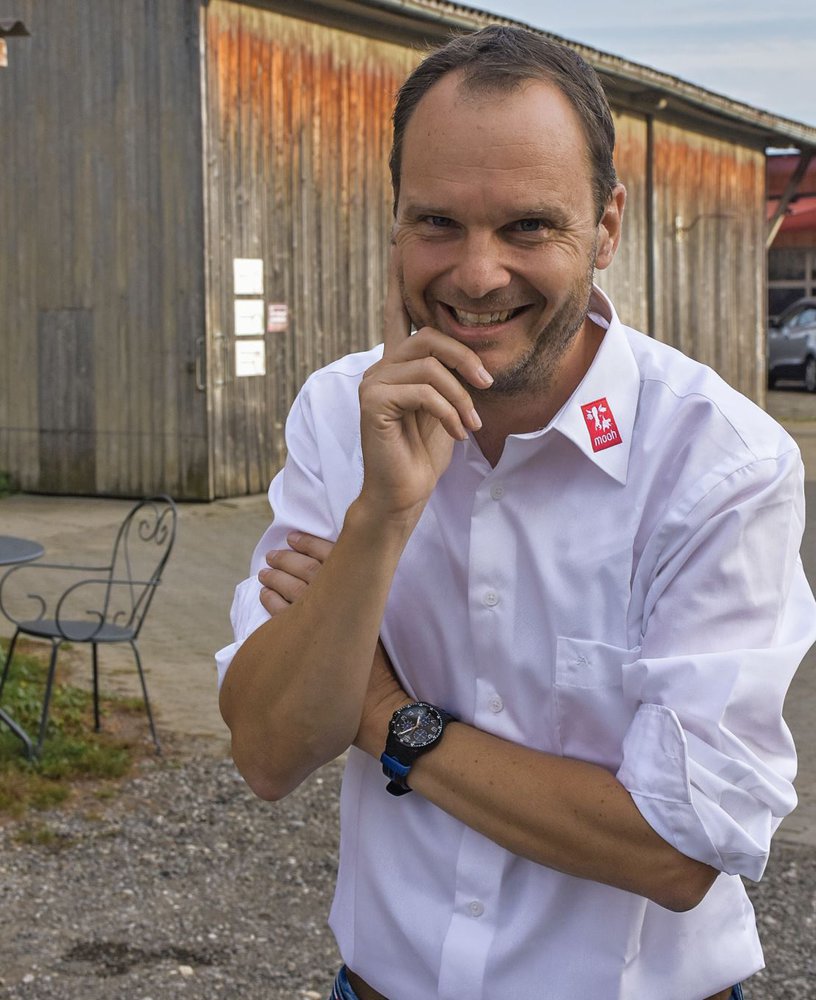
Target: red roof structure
[(800, 214)]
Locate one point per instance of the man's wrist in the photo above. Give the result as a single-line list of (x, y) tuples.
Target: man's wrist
[(373, 731), (380, 524)]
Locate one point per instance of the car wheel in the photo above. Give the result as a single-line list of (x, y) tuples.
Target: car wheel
[(771, 379), (810, 374)]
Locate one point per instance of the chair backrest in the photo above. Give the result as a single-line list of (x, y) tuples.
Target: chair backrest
[(141, 550)]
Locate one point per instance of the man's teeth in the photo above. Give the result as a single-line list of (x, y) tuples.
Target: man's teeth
[(482, 319)]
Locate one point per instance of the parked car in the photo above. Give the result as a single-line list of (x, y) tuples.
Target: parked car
[(792, 344)]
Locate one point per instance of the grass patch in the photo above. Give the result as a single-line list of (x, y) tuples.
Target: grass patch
[(41, 835), (72, 752), (8, 484)]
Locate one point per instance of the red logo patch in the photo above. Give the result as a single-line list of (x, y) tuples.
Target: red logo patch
[(603, 431)]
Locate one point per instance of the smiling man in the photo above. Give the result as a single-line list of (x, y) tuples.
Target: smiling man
[(514, 568)]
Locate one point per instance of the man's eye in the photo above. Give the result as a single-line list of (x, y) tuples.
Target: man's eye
[(438, 221), (530, 225)]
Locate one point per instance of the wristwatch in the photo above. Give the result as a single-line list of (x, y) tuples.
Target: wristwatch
[(413, 730)]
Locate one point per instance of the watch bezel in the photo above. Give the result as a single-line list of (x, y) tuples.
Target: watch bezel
[(431, 738)]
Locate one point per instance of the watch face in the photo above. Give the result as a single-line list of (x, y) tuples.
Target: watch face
[(417, 725)]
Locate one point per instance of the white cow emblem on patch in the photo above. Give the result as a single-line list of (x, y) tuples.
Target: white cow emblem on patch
[(600, 422)]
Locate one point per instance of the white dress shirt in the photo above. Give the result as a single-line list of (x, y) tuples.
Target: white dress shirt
[(624, 587)]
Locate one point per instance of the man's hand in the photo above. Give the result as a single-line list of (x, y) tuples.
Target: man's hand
[(290, 571), (413, 408)]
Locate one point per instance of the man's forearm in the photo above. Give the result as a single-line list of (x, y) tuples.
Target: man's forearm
[(567, 814), (293, 695)]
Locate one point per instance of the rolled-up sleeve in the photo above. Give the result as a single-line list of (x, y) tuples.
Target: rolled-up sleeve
[(708, 758), (297, 497)]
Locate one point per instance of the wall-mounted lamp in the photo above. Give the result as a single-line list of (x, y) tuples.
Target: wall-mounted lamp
[(681, 231), (10, 29)]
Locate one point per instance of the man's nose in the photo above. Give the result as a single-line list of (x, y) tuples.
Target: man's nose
[(481, 266)]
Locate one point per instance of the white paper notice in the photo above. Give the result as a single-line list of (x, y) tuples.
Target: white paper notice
[(250, 358), (277, 317), (249, 317), (247, 276)]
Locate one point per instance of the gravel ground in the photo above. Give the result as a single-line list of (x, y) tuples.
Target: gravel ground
[(185, 885)]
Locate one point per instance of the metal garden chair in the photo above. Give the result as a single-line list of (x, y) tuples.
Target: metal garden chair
[(100, 604)]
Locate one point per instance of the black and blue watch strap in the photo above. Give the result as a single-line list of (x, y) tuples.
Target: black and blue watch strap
[(397, 773)]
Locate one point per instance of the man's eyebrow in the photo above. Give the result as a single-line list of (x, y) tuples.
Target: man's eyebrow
[(550, 212), (415, 208)]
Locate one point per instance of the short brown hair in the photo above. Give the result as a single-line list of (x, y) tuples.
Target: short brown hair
[(500, 58)]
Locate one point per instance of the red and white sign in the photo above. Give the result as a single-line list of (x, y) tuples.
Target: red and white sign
[(603, 431)]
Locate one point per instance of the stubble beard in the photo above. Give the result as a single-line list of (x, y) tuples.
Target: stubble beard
[(534, 373), (536, 370)]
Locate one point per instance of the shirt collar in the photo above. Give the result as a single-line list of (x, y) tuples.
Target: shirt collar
[(599, 416)]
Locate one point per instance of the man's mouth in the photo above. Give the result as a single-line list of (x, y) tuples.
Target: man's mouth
[(465, 318)]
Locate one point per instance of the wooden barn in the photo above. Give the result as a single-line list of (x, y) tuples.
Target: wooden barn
[(194, 211)]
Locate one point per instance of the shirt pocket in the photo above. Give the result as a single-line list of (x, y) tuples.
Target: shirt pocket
[(592, 712)]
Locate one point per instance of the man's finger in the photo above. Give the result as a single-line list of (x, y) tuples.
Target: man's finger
[(310, 545), (396, 322), (273, 602), (291, 588)]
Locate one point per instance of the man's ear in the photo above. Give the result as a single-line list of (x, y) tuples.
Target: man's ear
[(609, 228)]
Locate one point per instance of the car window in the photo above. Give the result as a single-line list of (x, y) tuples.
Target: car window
[(807, 317)]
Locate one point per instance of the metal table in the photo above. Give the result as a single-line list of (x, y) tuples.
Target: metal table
[(18, 550), (13, 551)]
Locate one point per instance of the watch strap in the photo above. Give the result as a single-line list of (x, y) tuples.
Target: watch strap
[(396, 771)]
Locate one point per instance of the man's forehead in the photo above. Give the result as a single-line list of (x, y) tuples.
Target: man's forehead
[(523, 108), (526, 133)]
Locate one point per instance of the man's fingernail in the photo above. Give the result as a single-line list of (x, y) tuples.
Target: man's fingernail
[(475, 420), (485, 376), (293, 537)]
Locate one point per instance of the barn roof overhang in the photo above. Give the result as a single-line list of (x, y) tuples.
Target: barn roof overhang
[(630, 86)]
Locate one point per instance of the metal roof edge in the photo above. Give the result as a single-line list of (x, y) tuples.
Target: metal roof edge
[(761, 125)]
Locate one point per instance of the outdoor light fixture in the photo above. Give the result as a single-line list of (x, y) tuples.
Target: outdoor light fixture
[(10, 29)]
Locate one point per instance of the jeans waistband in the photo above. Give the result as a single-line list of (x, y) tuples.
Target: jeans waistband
[(343, 991)]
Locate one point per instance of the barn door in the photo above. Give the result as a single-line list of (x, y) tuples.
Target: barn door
[(65, 383)]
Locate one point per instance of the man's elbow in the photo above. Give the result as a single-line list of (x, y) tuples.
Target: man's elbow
[(687, 887), (268, 782)]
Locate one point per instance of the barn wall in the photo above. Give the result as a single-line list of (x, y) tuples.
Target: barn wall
[(148, 143), (298, 133), (626, 280), (101, 256), (709, 246)]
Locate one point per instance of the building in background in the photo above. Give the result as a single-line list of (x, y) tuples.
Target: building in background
[(792, 254), (195, 210)]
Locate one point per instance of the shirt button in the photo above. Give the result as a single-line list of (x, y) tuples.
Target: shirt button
[(495, 704), (497, 491), (476, 908), (491, 599)]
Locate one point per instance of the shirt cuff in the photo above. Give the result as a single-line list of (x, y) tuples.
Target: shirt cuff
[(246, 615), (703, 804)]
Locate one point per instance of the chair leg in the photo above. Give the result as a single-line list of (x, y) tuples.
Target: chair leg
[(49, 685), (146, 699), (95, 662), (9, 654)]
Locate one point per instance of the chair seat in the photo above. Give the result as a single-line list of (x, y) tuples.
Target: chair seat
[(76, 631)]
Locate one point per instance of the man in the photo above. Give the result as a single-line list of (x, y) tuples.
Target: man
[(577, 548)]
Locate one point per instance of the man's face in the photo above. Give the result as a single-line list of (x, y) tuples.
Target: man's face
[(497, 228)]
